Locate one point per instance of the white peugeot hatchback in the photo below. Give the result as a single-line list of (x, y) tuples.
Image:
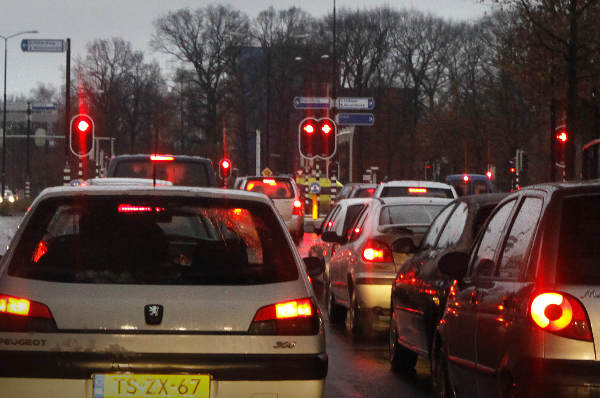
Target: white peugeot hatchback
[(132, 291)]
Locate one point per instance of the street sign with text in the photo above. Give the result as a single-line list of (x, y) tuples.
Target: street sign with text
[(356, 103), (43, 107), (43, 45), (355, 119), (312, 102)]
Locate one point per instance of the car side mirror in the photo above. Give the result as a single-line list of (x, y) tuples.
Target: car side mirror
[(314, 266), (404, 245), (454, 264), (331, 237)]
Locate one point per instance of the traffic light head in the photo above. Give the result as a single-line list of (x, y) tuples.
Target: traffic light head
[(562, 137), (81, 136), (224, 168), (317, 138)]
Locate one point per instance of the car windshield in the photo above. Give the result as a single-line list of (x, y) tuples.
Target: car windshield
[(187, 173), (408, 214), (273, 188), (165, 241)]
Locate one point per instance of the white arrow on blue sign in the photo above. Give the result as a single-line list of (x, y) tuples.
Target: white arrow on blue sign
[(356, 103), (315, 188), (312, 102), (355, 119), (43, 45)]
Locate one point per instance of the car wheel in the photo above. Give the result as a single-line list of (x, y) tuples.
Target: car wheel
[(356, 320), (337, 313), (440, 378), (401, 358)]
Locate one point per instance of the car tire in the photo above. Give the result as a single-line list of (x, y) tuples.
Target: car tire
[(337, 313), (440, 378), (356, 320), (401, 358)]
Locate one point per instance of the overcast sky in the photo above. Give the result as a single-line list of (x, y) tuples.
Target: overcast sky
[(86, 20)]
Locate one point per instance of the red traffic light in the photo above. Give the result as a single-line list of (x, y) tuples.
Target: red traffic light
[(308, 128), (81, 137), (326, 128), (562, 136), (466, 178), (224, 168), (513, 170), (489, 174), (82, 126)]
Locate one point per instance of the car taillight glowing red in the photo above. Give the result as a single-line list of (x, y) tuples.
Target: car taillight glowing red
[(161, 158), (287, 317), (269, 181), (417, 190), (298, 208), (23, 307), (375, 251), (561, 314)]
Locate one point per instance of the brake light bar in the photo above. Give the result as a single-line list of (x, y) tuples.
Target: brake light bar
[(162, 158), (417, 190), (23, 307), (269, 181), (126, 208)]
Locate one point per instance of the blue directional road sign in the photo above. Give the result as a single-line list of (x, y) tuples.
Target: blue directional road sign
[(312, 102), (355, 119), (43, 107), (43, 45), (356, 103)]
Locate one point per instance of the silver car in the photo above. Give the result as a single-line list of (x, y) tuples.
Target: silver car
[(363, 267), (130, 291)]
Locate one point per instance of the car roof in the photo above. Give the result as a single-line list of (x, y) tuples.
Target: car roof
[(483, 198), (409, 200), (354, 201), (142, 190), (416, 183)]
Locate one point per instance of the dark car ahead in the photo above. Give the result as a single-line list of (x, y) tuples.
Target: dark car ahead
[(186, 170), (355, 190), (419, 291), (523, 317)]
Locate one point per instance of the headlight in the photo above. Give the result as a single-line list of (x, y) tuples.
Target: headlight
[(11, 199)]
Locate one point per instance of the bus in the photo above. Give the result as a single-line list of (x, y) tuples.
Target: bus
[(470, 184)]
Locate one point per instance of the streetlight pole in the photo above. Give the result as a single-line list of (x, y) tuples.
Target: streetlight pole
[(5, 38)]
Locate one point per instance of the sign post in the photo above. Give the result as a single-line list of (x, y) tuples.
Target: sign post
[(43, 45), (355, 119), (312, 102), (356, 103)]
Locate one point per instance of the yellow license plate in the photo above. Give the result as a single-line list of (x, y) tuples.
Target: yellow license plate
[(151, 386)]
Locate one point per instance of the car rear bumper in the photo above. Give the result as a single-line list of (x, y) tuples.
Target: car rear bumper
[(82, 388), (374, 293), (295, 224), (557, 378), (78, 365)]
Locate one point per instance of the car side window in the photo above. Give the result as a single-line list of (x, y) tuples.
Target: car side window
[(454, 227), (351, 215), (519, 240), (483, 262), (436, 227), (353, 233)]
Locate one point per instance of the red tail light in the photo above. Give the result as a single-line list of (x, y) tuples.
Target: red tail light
[(376, 251), (561, 314), (298, 208), (417, 190), (19, 314), (294, 317)]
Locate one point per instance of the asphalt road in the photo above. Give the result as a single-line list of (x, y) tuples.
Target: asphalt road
[(361, 368)]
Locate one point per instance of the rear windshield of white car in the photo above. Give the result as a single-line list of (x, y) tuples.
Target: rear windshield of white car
[(408, 214), (416, 192), (273, 188), (579, 247), (162, 241), (188, 173)]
